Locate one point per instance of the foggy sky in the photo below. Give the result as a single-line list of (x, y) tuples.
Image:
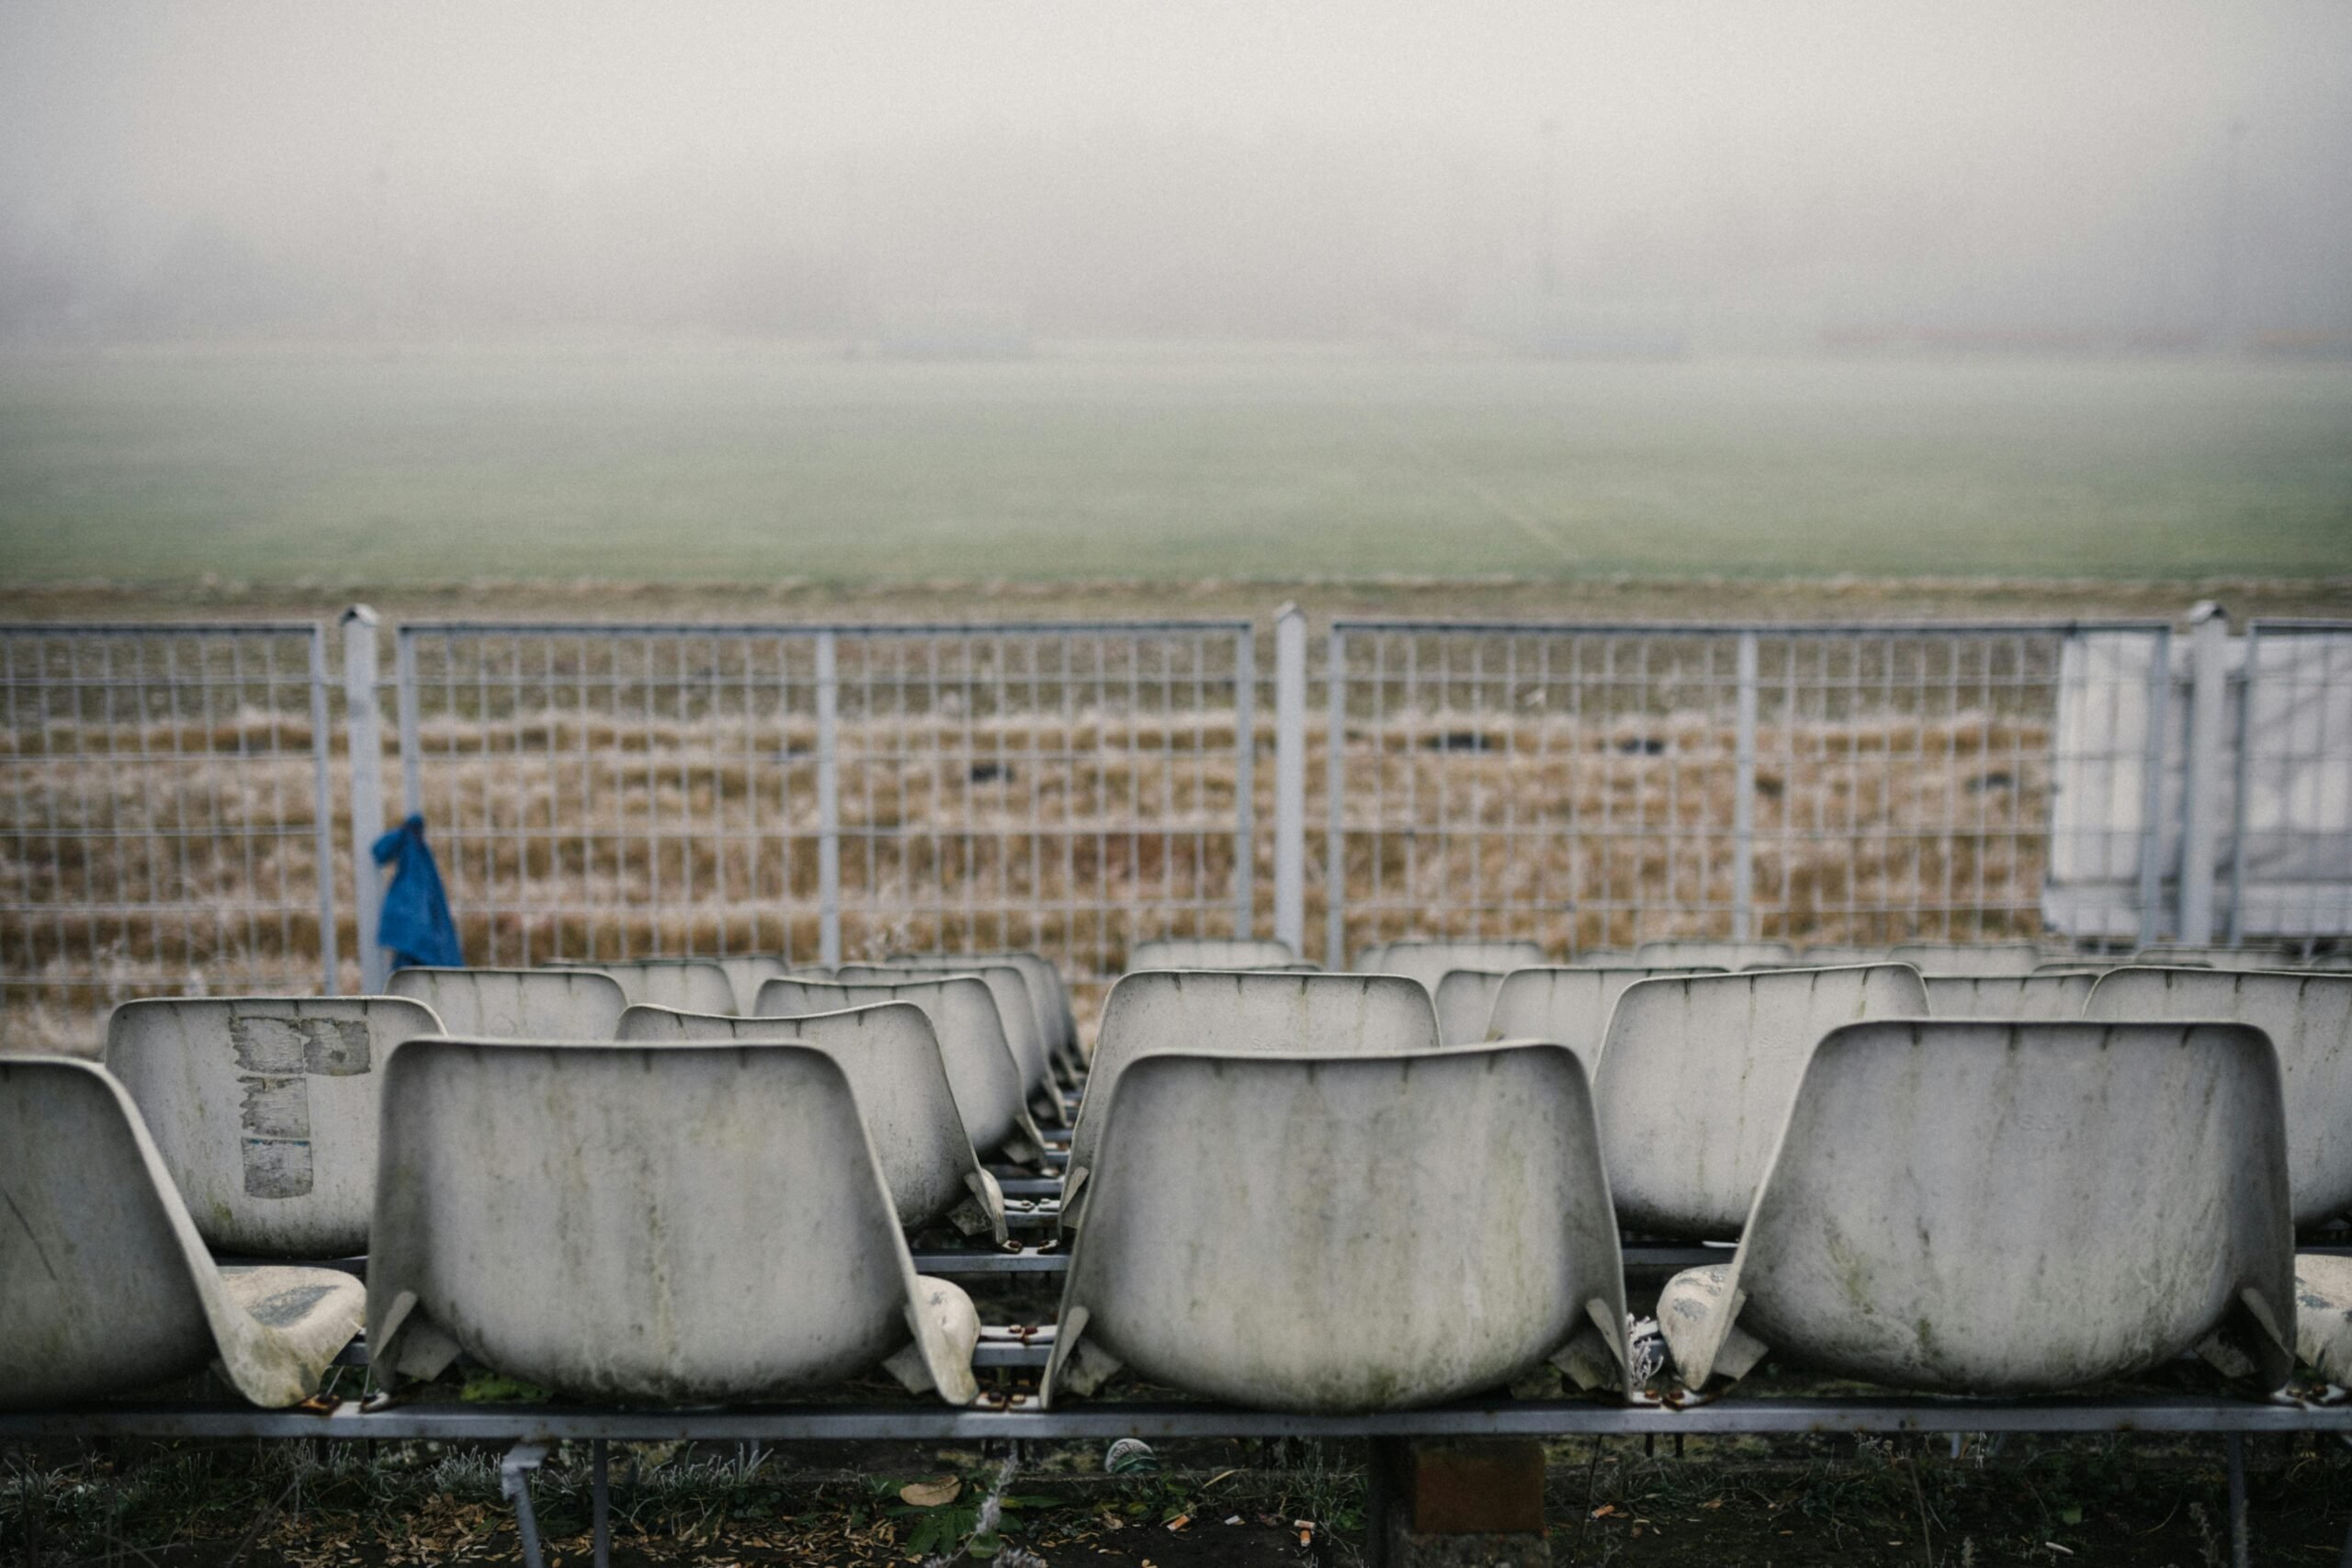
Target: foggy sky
[(1741, 171)]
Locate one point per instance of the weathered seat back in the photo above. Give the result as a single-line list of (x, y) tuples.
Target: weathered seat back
[(1209, 953), (1568, 1006), (1980, 1207), (1014, 1011), (746, 973), (692, 1223), (1465, 997), (2309, 1020), (1358, 1233), (516, 1004), (1840, 954), (1969, 957), (893, 1063), (2179, 955), (1226, 1010), (1429, 960), (689, 985), (105, 1285), (1696, 1076), (1698, 953), (2050, 998), (1050, 994), (263, 1111), (981, 1068)]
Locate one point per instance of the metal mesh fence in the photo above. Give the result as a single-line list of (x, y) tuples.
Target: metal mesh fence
[(167, 792), (2290, 849), (165, 823), (1596, 786), (817, 792)]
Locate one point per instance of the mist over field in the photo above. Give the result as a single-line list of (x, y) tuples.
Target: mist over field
[(745, 291), (1617, 176)]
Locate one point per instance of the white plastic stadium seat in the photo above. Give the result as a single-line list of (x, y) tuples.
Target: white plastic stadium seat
[(1210, 952), (1989, 1208), (1048, 994), (1366, 1233), (516, 1004), (1465, 997), (1051, 997), (263, 1111), (1837, 955), (1014, 1009), (2323, 1314), (1193, 1010), (2050, 998), (981, 1068), (1698, 953), (2177, 956), (1969, 957), (1696, 1077), (666, 1222), (746, 973), (894, 1068), (1428, 959), (690, 985), (1566, 1005), (2309, 1020), (105, 1286)]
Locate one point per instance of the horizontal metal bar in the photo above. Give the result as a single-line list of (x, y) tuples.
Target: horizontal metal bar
[(1732, 1413), (1763, 628), (1030, 1185), (800, 629), (1638, 1256), (958, 1264), (160, 628)]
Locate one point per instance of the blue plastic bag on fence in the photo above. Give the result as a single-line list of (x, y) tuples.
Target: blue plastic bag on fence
[(415, 923)]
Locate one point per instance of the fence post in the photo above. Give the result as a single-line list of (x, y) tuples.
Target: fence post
[(829, 811), (362, 730), (2200, 799), (1743, 800), (1335, 773), (2152, 789), (2250, 645), (322, 814), (1245, 782), (1290, 778), (412, 751)]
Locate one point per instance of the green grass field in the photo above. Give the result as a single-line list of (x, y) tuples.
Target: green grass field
[(753, 464)]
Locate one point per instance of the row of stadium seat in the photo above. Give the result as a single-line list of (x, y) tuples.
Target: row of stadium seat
[(1969, 1206), (1358, 1101)]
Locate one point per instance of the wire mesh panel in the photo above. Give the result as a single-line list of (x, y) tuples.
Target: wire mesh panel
[(1069, 789), (1597, 786), (615, 792), (820, 793), (165, 824), (2290, 854)]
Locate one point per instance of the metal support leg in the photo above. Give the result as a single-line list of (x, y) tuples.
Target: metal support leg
[(514, 1480), (601, 1510), (2241, 1543)]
